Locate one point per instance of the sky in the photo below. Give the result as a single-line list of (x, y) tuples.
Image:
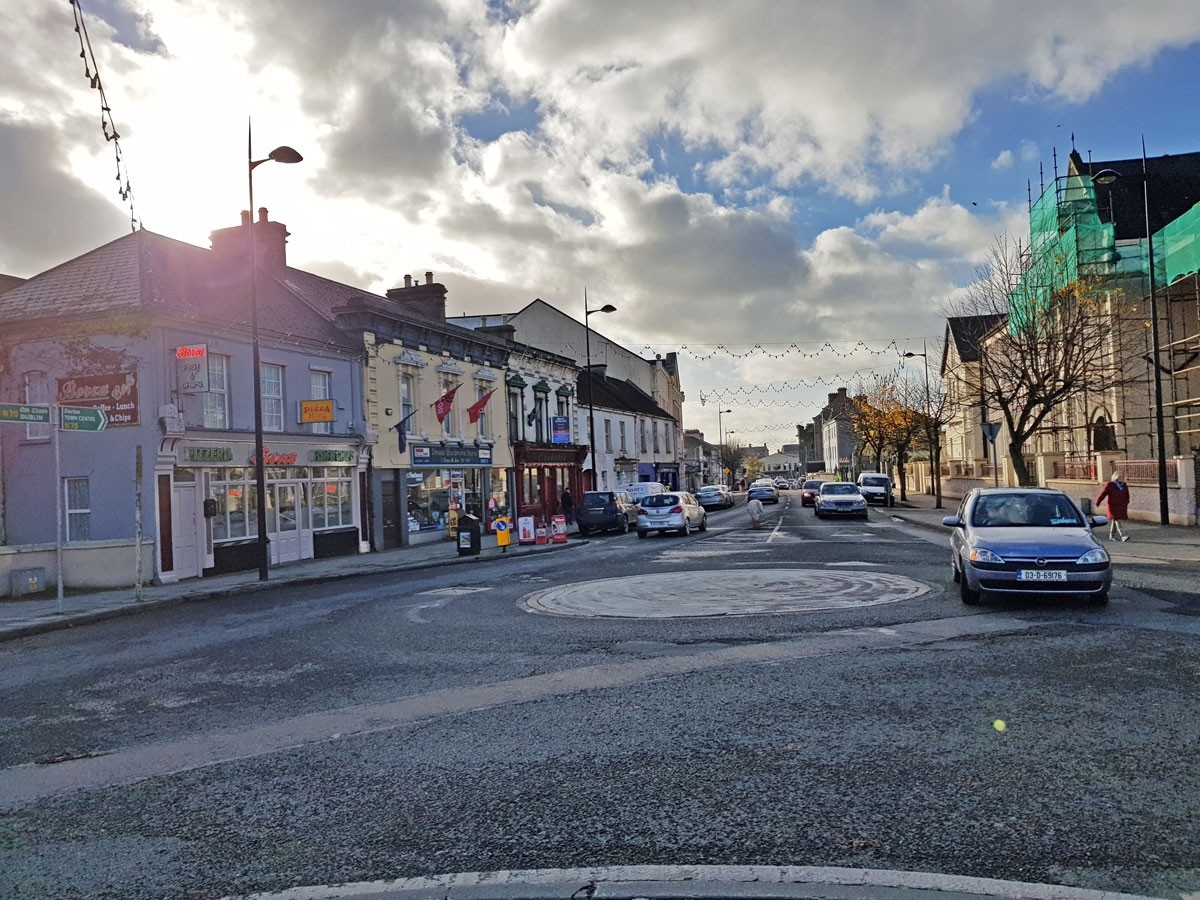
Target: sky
[(790, 195)]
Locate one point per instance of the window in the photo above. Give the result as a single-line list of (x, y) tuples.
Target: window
[(216, 400), (608, 435), (37, 393), (514, 414), (642, 429), (539, 417), (448, 424), (319, 389), (668, 433), (621, 428), (481, 391), (79, 509), (408, 396), (271, 380), (655, 427), (331, 506), (563, 406)]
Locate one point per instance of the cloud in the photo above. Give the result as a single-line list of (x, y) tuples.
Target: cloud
[(1004, 160)]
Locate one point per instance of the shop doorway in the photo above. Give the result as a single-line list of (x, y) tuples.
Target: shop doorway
[(187, 547), (285, 521)]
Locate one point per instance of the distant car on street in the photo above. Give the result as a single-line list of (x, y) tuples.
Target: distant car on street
[(877, 488), (840, 498), (715, 496), (1026, 541), (809, 490), (764, 490)]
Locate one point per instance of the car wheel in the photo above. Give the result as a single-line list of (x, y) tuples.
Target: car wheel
[(969, 597), (1100, 599), (954, 571), (625, 527), (642, 532), (704, 522), (687, 527)]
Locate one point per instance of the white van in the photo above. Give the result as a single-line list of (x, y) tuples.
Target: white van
[(641, 489)]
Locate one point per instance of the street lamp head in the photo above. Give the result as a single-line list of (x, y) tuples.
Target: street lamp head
[(606, 308), (1106, 176), (284, 154), (909, 354)]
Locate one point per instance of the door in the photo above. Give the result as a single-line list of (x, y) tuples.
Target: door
[(187, 542), (285, 521)]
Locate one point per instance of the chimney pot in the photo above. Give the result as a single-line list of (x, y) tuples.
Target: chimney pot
[(408, 281), (429, 278), (245, 217), (262, 214)]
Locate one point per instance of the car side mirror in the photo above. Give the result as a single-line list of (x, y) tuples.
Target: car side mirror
[(952, 522), (1098, 521)]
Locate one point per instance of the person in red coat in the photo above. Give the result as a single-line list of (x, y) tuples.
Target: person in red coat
[(1117, 494)]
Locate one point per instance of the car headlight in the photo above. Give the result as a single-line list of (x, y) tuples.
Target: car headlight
[(984, 555), (1092, 557), (859, 502)]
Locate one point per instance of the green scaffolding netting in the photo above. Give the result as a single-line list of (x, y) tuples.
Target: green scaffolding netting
[(1177, 247)]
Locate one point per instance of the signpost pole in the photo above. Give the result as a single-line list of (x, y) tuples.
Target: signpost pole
[(58, 512)]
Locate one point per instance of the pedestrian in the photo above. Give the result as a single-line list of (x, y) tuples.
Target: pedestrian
[(568, 506), (755, 508), (1117, 494)]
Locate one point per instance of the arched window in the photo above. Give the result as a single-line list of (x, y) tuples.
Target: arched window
[(1103, 434)]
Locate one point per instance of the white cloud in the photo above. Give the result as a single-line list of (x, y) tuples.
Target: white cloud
[(1004, 160)]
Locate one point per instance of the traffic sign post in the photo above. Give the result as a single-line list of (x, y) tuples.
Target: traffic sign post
[(83, 418), (24, 415)]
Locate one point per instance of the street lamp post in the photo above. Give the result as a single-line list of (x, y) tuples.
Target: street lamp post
[(280, 155), (721, 434), (587, 337), (928, 415), (1108, 176)]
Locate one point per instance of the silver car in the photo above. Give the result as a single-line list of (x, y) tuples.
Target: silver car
[(840, 498), (1026, 541), (675, 511)]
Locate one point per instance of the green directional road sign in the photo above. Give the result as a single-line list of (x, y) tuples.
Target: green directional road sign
[(26, 415), (83, 418)]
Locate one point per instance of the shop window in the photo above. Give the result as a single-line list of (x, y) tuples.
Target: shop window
[(216, 399), (320, 389), (79, 509), (271, 380)]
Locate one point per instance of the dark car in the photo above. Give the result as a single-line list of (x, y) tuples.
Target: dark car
[(1026, 541), (808, 493), (763, 490), (606, 511)]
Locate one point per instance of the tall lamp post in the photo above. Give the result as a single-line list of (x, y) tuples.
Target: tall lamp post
[(1105, 177), (587, 338), (721, 433), (280, 155), (928, 413)]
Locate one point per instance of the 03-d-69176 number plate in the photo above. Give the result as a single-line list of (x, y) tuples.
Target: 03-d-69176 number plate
[(1041, 575)]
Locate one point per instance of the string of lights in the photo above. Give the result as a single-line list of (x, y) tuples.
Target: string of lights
[(837, 379), (843, 349), (91, 71)]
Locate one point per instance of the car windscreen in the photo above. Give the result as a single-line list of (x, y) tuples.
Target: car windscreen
[(661, 500), (813, 485), (710, 490), (1025, 510), (875, 480), (597, 499), (839, 488)]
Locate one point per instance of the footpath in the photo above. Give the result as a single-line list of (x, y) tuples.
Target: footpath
[(1150, 544)]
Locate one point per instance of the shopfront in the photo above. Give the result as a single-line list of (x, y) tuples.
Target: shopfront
[(312, 508), (444, 482), (541, 473)]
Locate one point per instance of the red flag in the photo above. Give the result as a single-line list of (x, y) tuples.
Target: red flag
[(475, 410), (441, 407)]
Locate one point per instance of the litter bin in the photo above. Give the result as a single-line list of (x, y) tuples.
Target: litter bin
[(470, 532)]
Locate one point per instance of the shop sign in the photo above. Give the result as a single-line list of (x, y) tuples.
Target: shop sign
[(332, 456), (191, 369), (315, 411), (560, 430), (116, 394), (414, 479), (208, 454), (429, 456), (271, 458)]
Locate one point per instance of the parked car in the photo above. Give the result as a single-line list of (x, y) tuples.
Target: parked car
[(764, 489), (783, 484), (606, 511), (715, 496), (877, 488), (808, 491), (840, 498), (1026, 541), (676, 511)]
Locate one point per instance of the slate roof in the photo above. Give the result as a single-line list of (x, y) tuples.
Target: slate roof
[(618, 395), (1173, 184), (149, 274), (968, 332)]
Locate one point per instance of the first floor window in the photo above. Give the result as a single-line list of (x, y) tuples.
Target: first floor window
[(272, 397), (79, 509), (320, 389), (216, 399), (37, 393)]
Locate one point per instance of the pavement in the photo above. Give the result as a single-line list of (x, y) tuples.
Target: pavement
[(19, 617)]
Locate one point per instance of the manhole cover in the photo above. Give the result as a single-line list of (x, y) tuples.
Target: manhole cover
[(746, 592)]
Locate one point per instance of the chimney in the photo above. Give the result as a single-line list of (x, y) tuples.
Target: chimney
[(270, 240), (425, 301)]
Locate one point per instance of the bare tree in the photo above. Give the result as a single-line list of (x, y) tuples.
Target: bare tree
[(731, 457), (1052, 347)]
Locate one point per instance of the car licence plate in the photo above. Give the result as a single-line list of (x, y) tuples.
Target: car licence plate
[(1041, 575)]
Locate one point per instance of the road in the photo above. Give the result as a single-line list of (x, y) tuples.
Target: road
[(812, 693)]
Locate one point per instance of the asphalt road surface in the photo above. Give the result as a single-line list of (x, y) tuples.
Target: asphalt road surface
[(811, 693)]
